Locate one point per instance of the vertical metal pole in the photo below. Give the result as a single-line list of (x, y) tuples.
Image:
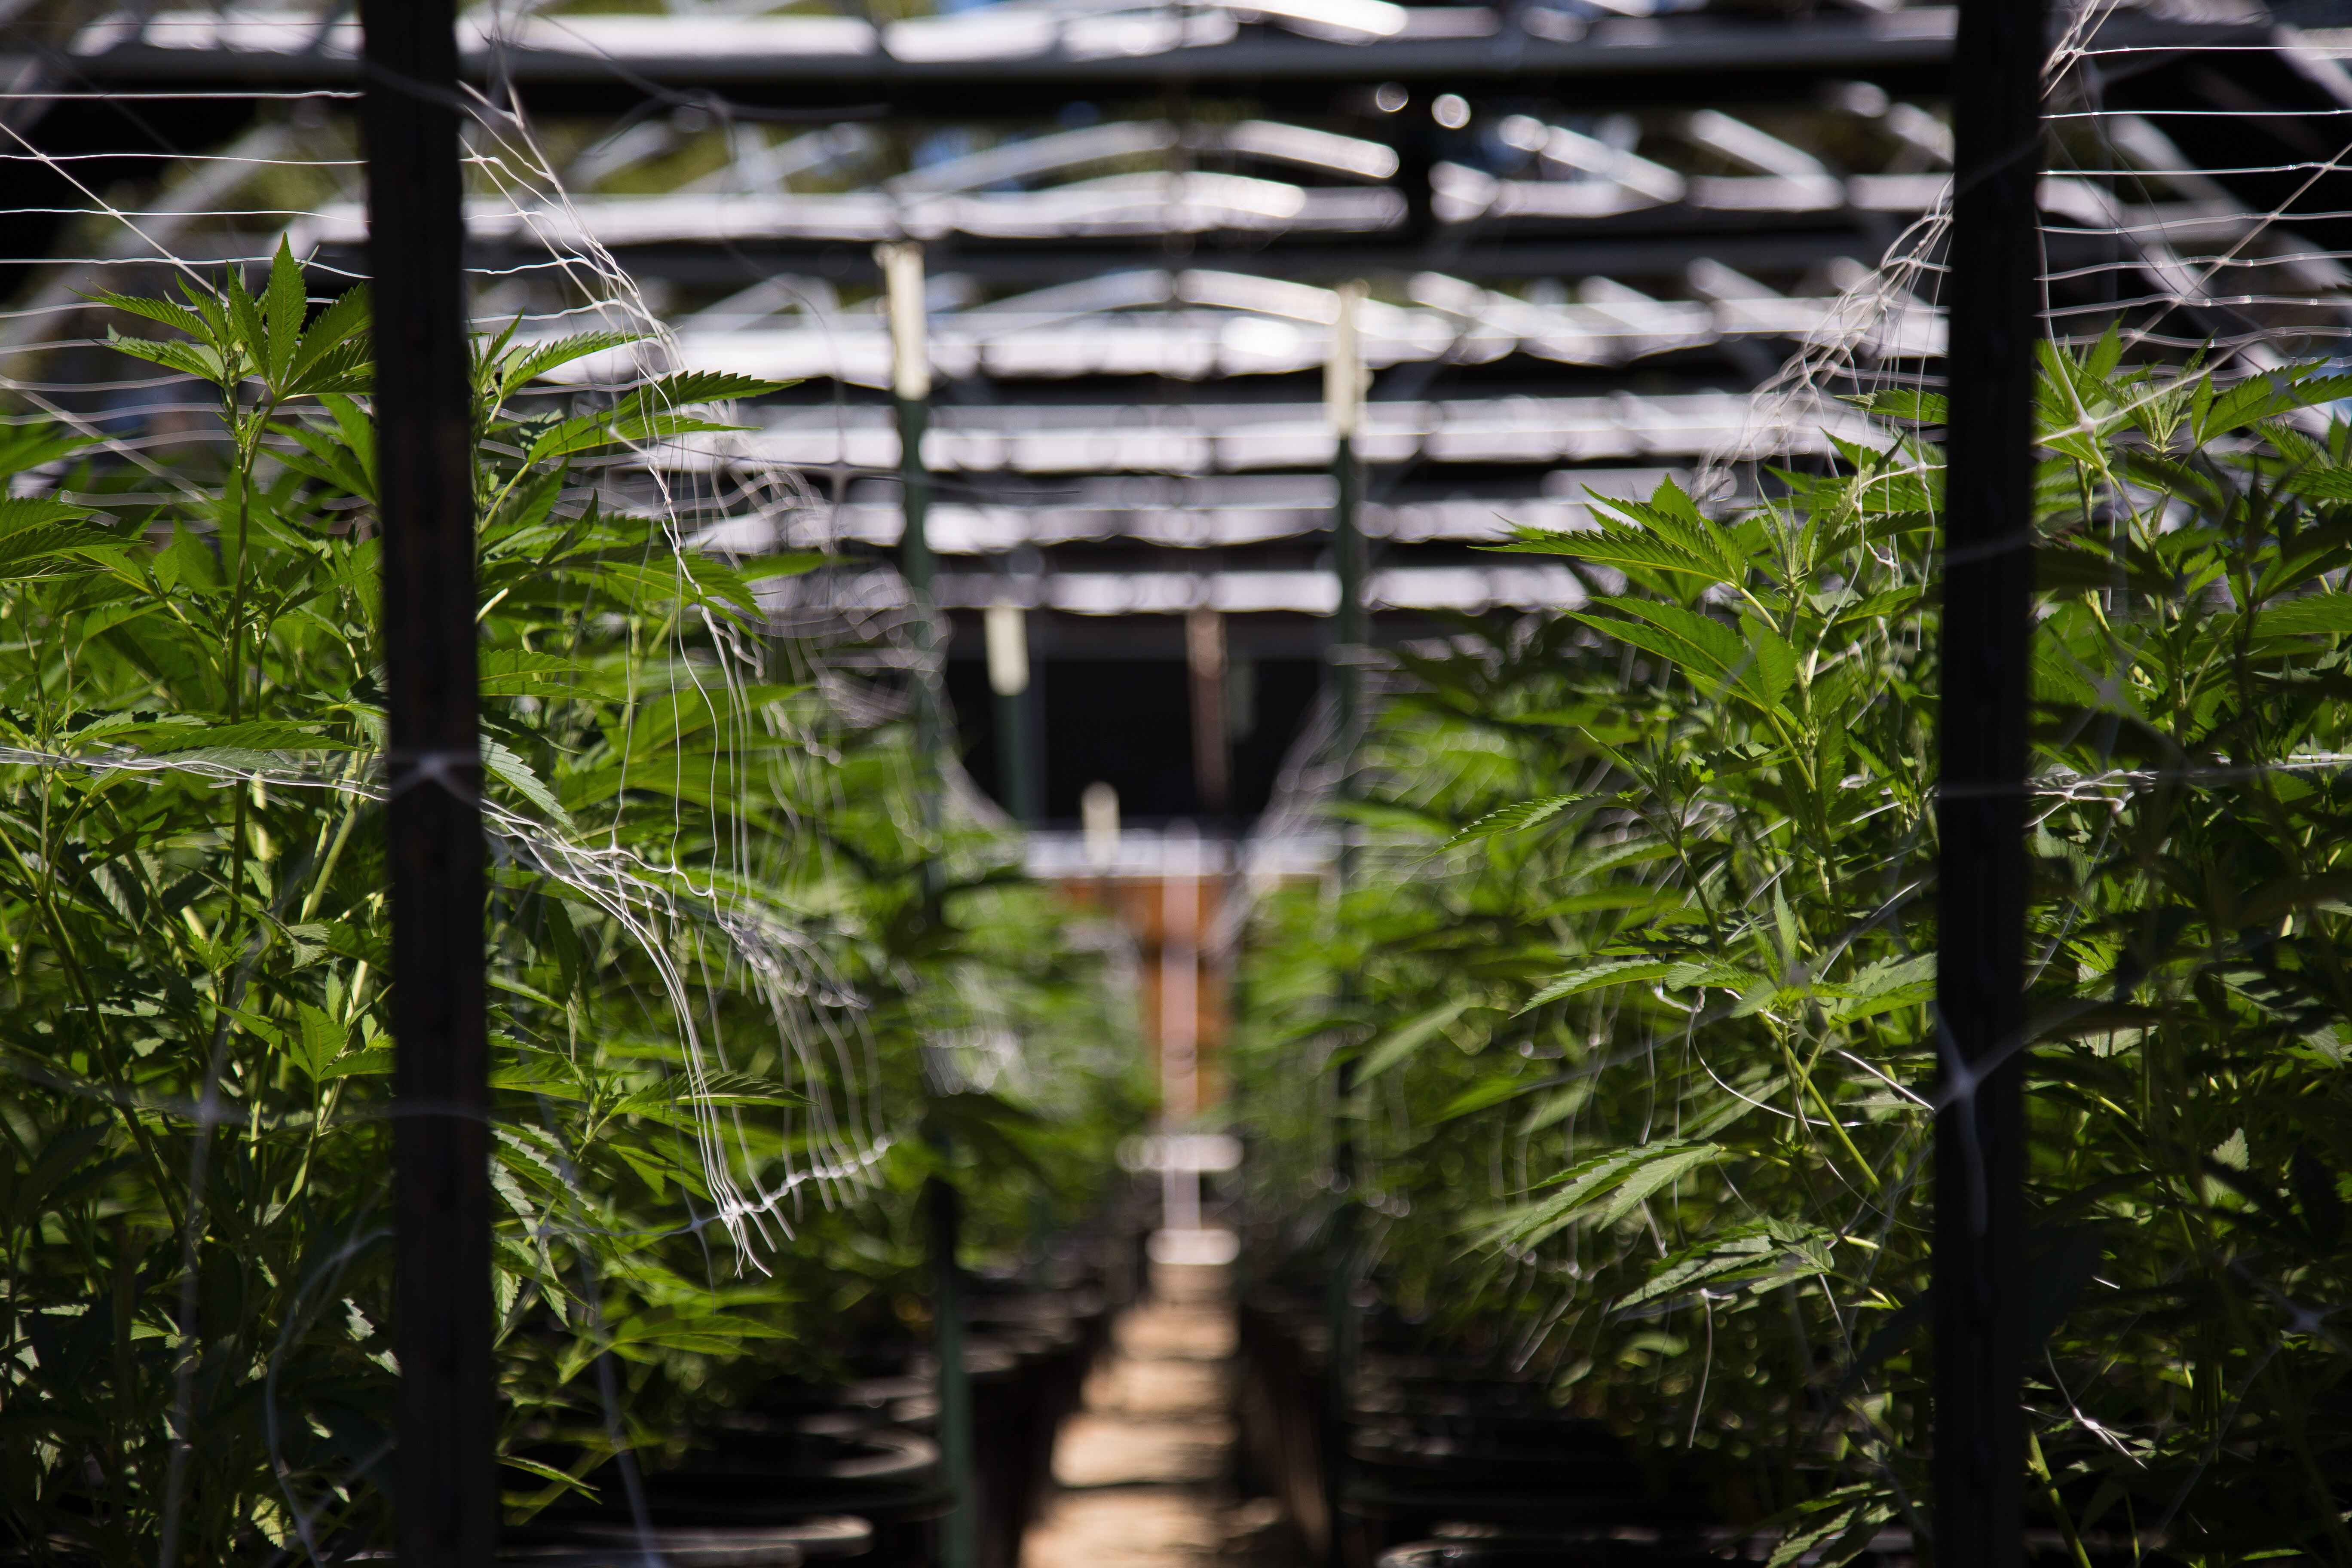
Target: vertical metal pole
[(1180, 1019), (910, 386), (1034, 715), (1204, 664), (446, 1467), (1978, 1266), (1343, 397), (959, 1530)]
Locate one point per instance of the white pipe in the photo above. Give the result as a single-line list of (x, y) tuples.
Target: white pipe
[(1007, 637), (1099, 811), (911, 354), (1343, 371)]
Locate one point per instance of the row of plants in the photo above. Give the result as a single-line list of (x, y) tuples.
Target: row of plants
[(735, 1027), (1627, 1019)]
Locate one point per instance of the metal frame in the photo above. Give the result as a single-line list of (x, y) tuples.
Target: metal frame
[(1982, 876), (412, 62), (805, 73), (447, 1465), (910, 391)]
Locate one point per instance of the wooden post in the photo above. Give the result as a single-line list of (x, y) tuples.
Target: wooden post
[(447, 1470), (1988, 579)]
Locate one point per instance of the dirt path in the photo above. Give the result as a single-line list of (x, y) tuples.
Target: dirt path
[(1140, 1472)]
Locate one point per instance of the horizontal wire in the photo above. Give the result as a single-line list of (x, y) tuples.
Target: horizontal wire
[(162, 157), (2161, 112), (239, 96), (160, 212), (2194, 301)]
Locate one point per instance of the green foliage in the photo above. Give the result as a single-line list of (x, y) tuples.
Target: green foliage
[(708, 955), (1680, 871)]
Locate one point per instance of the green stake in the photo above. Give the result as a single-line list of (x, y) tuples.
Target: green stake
[(1343, 399), (910, 386)]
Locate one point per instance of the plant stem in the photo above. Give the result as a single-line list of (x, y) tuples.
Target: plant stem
[(2040, 1469)]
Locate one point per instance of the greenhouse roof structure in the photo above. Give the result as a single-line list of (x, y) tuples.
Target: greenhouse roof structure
[(1592, 228), (1176, 783), (1007, 54)]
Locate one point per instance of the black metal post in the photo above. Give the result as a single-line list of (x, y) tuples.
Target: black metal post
[(911, 392), (1341, 1317), (919, 567), (1978, 1266), (1205, 665), (959, 1530), (1343, 403), (1039, 637), (1348, 634), (446, 1469), (1015, 772), (1344, 399)]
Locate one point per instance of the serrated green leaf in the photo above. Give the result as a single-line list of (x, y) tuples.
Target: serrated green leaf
[(1511, 818), (198, 360), (375, 1061), (250, 735), (1612, 972), (318, 1042), (2328, 613), (1766, 1250), (1614, 1182), (285, 303), (1409, 1036)]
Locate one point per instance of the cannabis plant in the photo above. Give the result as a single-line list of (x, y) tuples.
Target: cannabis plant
[(1649, 1027), (192, 911)]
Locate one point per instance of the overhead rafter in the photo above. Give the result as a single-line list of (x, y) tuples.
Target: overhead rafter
[(1005, 61)]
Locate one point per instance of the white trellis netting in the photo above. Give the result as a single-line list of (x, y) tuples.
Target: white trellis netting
[(2196, 269), (648, 899), (2194, 206), (2196, 262), (745, 938), (2203, 278), (202, 217)]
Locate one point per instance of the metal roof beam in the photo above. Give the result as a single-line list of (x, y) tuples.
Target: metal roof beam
[(814, 64)]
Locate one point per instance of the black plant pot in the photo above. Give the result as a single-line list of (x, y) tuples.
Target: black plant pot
[(586, 1545), (1892, 1547), (1595, 1550), (759, 1472)]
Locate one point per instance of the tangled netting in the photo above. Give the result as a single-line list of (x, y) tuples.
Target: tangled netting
[(698, 999), (705, 494)]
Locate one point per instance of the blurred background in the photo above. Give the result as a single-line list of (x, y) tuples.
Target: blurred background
[(1590, 231), (1582, 248)]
